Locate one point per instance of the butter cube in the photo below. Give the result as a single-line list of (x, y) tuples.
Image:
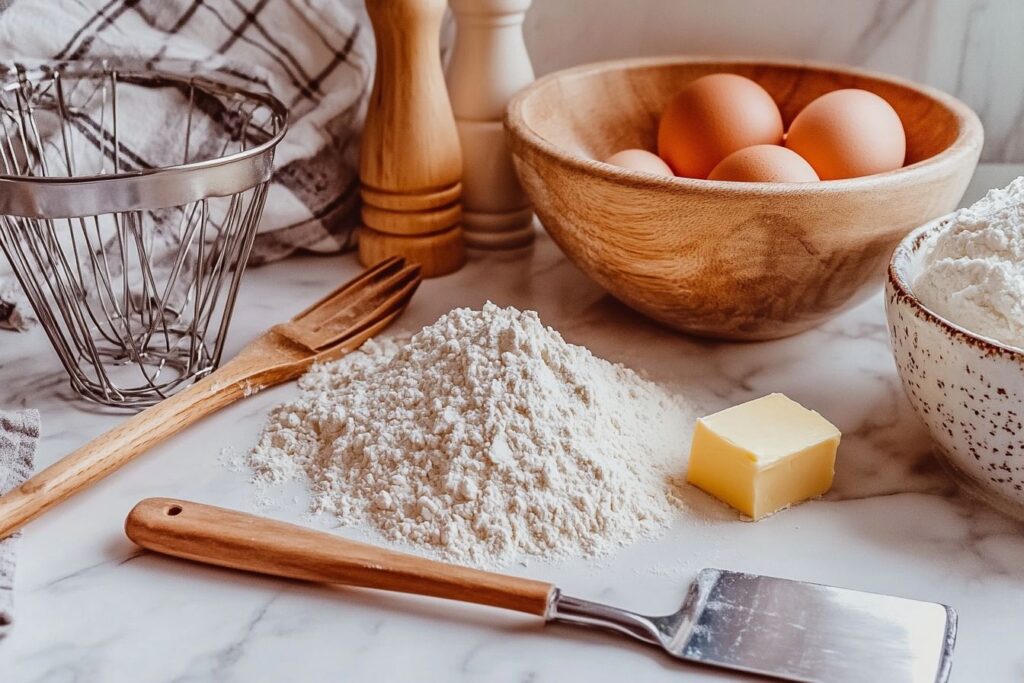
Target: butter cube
[(764, 455)]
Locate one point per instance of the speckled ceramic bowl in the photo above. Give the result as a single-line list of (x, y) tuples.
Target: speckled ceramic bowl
[(968, 389)]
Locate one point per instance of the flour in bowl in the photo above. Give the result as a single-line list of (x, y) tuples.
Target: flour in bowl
[(483, 438), (973, 273)]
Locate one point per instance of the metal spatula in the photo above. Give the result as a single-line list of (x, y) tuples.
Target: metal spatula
[(788, 629)]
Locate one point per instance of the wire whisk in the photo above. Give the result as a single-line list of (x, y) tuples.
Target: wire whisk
[(129, 203)]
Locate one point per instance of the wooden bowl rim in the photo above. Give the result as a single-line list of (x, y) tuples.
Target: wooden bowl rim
[(900, 281), (970, 134)]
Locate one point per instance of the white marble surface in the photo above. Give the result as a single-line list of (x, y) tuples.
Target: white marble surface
[(970, 48), (91, 607)]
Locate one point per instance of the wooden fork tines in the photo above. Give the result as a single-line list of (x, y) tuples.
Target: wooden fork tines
[(337, 324), (375, 294)]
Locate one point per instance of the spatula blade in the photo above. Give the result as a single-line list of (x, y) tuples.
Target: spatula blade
[(809, 632)]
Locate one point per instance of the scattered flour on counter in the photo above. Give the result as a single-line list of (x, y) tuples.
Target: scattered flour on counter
[(483, 439), (973, 273)]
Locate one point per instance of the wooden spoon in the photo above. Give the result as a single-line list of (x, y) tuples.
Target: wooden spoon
[(334, 326)]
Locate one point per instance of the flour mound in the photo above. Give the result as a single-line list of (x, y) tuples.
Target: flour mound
[(973, 274), (483, 438)]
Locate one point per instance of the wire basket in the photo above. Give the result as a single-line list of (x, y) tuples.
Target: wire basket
[(130, 199)]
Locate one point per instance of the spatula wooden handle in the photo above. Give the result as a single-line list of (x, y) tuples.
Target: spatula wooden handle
[(227, 538)]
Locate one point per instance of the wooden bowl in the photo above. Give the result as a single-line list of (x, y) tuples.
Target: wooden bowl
[(722, 259)]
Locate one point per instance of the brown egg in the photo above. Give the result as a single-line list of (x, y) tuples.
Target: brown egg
[(847, 134), (713, 117), (764, 164), (640, 160)]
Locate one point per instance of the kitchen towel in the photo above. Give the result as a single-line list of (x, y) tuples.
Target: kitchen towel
[(19, 432), (316, 56)]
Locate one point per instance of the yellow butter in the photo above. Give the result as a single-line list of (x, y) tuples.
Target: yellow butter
[(764, 455)]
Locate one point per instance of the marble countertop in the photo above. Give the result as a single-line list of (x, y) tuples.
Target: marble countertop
[(92, 607)]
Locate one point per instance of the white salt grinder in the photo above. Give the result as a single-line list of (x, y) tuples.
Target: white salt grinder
[(489, 64)]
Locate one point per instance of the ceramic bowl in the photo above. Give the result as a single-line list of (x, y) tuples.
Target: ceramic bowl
[(968, 390), (721, 259)]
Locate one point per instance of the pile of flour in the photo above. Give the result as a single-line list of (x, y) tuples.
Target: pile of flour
[(973, 273), (483, 438)]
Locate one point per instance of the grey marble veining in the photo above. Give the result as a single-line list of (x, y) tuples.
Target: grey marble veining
[(970, 48), (92, 607)]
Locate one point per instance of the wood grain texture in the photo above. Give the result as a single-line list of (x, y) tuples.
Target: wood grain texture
[(410, 162), (339, 324), (740, 261), (437, 254), (227, 538), (425, 222), (444, 198)]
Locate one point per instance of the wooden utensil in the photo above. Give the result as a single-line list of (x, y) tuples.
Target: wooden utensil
[(789, 629), (337, 324), (410, 163), (241, 541), (723, 259)]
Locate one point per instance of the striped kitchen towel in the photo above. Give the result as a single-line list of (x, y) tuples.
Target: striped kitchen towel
[(18, 434), (314, 55)]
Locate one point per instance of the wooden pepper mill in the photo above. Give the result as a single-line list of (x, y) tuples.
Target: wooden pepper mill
[(410, 164), (489, 64)]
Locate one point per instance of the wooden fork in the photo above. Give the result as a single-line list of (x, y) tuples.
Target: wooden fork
[(337, 324)]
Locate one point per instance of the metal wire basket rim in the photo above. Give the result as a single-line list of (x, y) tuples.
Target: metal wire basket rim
[(276, 105), (57, 197)]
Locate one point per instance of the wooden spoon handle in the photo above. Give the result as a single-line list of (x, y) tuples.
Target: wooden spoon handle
[(241, 541), (115, 448)]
